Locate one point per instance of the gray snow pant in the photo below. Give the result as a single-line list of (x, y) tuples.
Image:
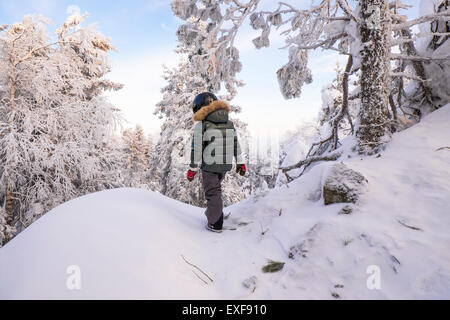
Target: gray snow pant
[(213, 194)]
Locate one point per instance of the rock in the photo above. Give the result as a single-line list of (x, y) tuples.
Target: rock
[(343, 185), (348, 209)]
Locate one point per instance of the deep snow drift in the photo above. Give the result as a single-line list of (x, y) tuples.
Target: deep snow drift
[(128, 243)]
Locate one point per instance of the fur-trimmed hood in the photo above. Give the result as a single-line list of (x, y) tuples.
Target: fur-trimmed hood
[(204, 112)]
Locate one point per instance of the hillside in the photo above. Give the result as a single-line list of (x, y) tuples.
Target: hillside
[(129, 243)]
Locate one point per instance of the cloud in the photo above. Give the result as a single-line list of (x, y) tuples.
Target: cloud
[(167, 28), (71, 9), (156, 5), (14, 11)]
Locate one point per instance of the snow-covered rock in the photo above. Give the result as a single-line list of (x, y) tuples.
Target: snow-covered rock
[(343, 185)]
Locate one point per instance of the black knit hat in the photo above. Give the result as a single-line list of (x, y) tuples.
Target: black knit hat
[(203, 99)]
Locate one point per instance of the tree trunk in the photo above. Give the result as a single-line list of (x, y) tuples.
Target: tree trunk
[(373, 131)]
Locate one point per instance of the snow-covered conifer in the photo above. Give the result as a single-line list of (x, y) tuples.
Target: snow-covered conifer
[(137, 149), (54, 123), (208, 32), (6, 230)]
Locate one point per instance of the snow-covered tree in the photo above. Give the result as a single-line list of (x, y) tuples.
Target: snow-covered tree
[(332, 99), (136, 156), (421, 73), (295, 145), (208, 33), (54, 123), (366, 33), (6, 230)]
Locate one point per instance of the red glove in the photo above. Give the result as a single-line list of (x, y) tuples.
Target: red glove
[(191, 175), (241, 169)]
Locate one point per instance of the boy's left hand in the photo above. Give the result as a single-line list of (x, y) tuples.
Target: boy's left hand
[(191, 175)]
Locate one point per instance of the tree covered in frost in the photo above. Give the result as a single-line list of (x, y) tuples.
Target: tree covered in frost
[(294, 146), (209, 31), (136, 151), (422, 66), (366, 34), (332, 99), (6, 230), (54, 123), (171, 156)]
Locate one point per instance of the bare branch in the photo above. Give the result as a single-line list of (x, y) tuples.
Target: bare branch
[(345, 110), (393, 108), (193, 265), (199, 277), (408, 226)]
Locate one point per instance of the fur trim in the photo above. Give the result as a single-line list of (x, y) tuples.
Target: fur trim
[(201, 114)]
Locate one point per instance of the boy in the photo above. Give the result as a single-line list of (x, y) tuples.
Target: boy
[(214, 144)]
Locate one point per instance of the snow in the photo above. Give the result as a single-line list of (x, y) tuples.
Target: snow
[(128, 242)]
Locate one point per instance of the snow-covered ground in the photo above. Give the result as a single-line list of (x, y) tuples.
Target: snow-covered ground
[(129, 243)]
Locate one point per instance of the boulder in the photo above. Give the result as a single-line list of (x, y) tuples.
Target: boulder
[(343, 185)]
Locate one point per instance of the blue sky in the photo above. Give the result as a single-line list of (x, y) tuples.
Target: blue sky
[(144, 33)]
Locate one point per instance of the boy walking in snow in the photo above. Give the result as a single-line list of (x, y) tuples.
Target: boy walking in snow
[(214, 145)]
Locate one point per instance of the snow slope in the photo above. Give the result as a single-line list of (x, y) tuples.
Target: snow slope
[(128, 243)]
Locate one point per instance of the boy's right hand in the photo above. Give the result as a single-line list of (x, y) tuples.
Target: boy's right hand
[(191, 175)]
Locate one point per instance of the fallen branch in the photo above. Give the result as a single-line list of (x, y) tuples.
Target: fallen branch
[(443, 148), (199, 277), (333, 156), (408, 226), (193, 265)]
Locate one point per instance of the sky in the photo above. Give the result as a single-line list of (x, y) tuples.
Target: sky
[(143, 31)]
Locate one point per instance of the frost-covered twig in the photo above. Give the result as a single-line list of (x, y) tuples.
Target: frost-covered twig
[(397, 56), (348, 10), (423, 19), (323, 42), (408, 76)]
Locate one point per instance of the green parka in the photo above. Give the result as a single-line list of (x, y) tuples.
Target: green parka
[(215, 140)]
